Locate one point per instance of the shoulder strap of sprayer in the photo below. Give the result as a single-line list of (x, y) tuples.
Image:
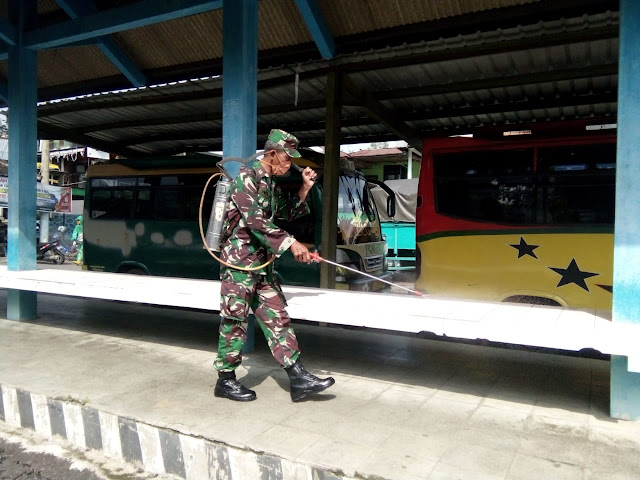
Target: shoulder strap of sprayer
[(236, 159), (224, 186)]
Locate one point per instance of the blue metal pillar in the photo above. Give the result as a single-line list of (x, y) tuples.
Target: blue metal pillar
[(625, 385), (23, 89), (239, 80), (240, 91)]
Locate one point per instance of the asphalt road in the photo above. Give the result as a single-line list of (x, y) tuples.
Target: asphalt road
[(67, 265)]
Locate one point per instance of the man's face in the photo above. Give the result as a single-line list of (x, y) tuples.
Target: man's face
[(281, 162)]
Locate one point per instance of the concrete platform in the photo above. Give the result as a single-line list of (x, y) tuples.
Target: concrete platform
[(137, 382)]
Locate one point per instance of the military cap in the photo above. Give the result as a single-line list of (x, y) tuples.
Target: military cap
[(288, 142)]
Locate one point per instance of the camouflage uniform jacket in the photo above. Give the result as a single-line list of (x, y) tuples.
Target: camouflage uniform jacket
[(250, 234)]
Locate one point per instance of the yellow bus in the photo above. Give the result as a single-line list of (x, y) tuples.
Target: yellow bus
[(526, 217)]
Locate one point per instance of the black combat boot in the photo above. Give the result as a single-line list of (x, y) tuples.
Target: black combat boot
[(228, 387), (304, 383)]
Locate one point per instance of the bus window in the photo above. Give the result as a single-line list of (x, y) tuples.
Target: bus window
[(492, 186), (121, 204), (144, 206), (100, 200), (575, 188), (169, 204), (117, 203)]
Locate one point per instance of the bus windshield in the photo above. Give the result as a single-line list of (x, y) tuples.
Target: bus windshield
[(358, 220)]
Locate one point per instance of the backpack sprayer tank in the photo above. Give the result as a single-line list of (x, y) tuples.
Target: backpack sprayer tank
[(216, 219), (220, 199)]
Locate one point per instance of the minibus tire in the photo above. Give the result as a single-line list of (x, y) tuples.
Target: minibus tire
[(533, 300), (136, 271)]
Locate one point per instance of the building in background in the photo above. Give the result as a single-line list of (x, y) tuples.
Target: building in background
[(382, 164), (68, 164), (381, 161)]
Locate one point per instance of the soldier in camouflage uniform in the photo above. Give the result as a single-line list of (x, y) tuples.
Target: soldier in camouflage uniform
[(250, 238)]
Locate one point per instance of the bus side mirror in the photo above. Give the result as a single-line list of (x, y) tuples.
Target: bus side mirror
[(391, 197), (391, 206)]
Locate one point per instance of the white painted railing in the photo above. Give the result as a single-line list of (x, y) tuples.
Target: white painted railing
[(541, 326)]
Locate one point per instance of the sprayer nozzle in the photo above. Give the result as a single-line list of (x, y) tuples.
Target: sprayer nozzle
[(297, 168)]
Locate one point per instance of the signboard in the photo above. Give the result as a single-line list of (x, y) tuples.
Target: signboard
[(49, 198)]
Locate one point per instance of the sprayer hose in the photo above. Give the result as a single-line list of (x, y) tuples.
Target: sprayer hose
[(204, 240)]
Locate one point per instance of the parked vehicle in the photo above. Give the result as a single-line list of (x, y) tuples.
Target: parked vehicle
[(141, 217), (399, 230), (66, 245), (525, 218), (50, 252)]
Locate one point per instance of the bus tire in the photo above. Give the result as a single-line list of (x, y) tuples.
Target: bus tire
[(532, 300), (136, 271)]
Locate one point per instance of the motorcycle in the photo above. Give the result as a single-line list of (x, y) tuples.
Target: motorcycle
[(50, 252), (67, 247)]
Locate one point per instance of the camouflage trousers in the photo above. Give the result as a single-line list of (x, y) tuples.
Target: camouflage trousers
[(240, 291)]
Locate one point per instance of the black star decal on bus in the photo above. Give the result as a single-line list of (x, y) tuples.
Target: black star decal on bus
[(524, 248), (573, 274)]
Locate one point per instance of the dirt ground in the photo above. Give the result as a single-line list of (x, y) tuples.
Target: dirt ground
[(25, 455), (16, 463)]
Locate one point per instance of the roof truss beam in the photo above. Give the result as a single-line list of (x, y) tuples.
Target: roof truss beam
[(497, 128), (514, 105), (79, 8), (438, 89), (4, 54), (492, 48), (534, 78), (498, 47), (136, 15), (382, 114), (215, 133), (214, 116), (310, 11), (46, 130), (8, 33)]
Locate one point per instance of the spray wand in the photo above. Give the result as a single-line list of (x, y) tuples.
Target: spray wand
[(315, 257)]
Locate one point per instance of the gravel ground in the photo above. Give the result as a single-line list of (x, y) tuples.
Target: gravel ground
[(16, 463), (24, 455)]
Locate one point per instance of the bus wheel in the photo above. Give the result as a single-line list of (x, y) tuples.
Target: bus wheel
[(533, 300), (136, 271)]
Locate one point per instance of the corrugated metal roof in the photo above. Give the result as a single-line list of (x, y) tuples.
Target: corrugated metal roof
[(192, 46), (559, 69), (414, 68), (358, 16)]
